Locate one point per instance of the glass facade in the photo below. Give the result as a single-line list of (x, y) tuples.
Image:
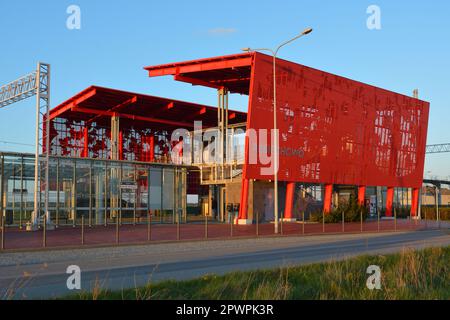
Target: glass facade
[(100, 191)]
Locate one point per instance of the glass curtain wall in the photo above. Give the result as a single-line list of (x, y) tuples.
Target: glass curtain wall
[(100, 191)]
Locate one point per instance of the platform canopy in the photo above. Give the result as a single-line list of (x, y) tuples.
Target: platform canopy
[(98, 104), (232, 72)]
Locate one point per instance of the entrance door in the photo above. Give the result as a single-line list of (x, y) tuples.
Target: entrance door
[(269, 205)]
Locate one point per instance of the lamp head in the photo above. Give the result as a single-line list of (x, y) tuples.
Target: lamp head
[(307, 31)]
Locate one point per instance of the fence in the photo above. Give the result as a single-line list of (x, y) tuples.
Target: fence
[(151, 229)]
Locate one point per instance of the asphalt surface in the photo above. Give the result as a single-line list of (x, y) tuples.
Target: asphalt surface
[(42, 275)]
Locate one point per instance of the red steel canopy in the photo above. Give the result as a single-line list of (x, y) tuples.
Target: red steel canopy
[(232, 72), (98, 104)]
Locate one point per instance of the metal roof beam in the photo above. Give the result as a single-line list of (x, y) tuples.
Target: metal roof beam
[(135, 117), (122, 105), (164, 108), (125, 104), (200, 65), (200, 112), (56, 113), (196, 82)]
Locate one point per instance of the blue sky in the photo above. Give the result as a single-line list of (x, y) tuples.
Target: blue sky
[(118, 38)]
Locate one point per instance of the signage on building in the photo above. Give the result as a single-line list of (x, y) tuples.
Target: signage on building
[(128, 186)]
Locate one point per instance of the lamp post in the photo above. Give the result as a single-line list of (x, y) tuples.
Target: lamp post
[(437, 204), (275, 149)]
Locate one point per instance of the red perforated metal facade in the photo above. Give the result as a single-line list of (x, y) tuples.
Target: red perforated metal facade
[(336, 130)]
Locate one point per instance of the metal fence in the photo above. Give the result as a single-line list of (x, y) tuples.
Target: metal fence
[(152, 228), (99, 202)]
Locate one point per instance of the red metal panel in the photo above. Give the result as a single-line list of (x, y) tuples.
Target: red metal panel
[(336, 130)]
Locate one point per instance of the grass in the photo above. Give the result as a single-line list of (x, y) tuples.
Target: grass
[(423, 274)]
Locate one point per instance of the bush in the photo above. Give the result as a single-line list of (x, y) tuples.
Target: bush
[(351, 211), (402, 213), (430, 213)]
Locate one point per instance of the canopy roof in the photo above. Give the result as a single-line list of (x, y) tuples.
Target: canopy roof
[(98, 104), (231, 71)]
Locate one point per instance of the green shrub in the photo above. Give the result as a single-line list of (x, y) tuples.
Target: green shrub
[(351, 210), (402, 213)]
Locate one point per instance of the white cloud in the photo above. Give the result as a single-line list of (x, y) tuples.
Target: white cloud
[(222, 31)]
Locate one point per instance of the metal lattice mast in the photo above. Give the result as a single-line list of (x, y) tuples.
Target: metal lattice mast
[(42, 140), (35, 83)]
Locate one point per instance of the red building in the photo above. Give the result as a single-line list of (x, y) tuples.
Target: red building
[(332, 130)]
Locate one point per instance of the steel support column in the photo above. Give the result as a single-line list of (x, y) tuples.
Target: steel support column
[(85, 142), (115, 172), (290, 194), (120, 144), (115, 123), (243, 208), (222, 125), (361, 195), (152, 148), (327, 199), (389, 201), (414, 202)]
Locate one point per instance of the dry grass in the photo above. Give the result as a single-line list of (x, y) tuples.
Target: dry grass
[(411, 274)]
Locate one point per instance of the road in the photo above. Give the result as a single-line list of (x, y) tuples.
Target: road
[(42, 274)]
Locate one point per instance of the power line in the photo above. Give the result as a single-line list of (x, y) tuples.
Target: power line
[(16, 143)]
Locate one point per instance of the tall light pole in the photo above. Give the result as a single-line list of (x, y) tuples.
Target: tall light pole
[(275, 128), (437, 204)]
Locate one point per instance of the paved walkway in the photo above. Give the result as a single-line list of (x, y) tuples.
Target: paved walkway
[(16, 239)]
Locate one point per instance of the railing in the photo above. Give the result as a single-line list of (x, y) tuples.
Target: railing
[(220, 174)]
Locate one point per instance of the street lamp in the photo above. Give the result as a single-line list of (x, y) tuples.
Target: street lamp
[(274, 54), (437, 205)]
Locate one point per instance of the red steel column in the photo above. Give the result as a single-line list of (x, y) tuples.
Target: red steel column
[(244, 200), (389, 201), (290, 192), (414, 202), (120, 145), (152, 148), (361, 195), (328, 198), (86, 143)]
